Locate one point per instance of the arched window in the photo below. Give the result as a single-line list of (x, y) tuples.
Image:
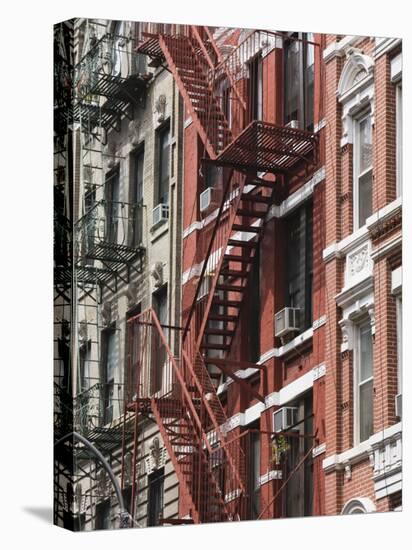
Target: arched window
[(360, 505), (356, 94)]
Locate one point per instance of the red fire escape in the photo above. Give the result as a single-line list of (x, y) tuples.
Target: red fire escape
[(179, 389)]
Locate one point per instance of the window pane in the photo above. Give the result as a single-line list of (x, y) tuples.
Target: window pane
[(293, 82), (365, 197), (366, 351), (111, 355), (366, 410), (309, 81), (365, 144), (164, 146)]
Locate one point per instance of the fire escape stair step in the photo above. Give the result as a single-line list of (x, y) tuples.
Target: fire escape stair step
[(227, 303), (215, 346), (256, 198), (230, 288), (234, 273), (235, 258), (243, 244), (246, 228), (219, 332), (251, 213), (225, 318)]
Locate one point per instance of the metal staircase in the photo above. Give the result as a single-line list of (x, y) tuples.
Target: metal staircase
[(186, 407)]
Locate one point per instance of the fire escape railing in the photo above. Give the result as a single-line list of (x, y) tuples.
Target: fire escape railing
[(169, 388)]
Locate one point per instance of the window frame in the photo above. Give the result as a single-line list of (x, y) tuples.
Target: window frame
[(155, 480), (108, 378), (305, 211), (357, 174), (358, 383), (136, 195), (399, 136), (399, 352), (162, 196), (305, 121)]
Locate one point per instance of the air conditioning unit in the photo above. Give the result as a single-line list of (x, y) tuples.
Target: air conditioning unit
[(287, 321), (160, 214), (284, 418), (398, 405), (293, 124), (208, 200)]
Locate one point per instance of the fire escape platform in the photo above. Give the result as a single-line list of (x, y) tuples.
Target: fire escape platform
[(112, 86), (115, 253), (151, 47), (266, 147)]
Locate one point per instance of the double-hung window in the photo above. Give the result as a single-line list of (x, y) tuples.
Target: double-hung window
[(299, 255), (163, 145), (362, 164), (363, 382), (299, 79), (108, 374), (136, 197), (399, 139), (399, 352)]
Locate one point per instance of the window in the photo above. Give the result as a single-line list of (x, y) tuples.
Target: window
[(362, 164), (127, 498), (399, 140), (112, 192), (399, 346), (132, 352), (299, 80), (85, 357), (299, 490), (254, 474), (136, 197), (299, 263), (159, 353), (363, 382), (255, 88), (163, 144), (103, 520), (253, 323), (109, 350), (155, 497)]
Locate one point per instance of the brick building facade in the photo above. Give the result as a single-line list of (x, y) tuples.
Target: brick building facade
[(273, 377)]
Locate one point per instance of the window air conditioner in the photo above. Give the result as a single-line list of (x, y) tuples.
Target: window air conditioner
[(284, 418), (208, 200), (398, 405), (293, 124), (160, 214), (287, 320)]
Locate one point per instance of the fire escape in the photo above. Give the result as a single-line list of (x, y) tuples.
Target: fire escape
[(180, 392), (92, 252)]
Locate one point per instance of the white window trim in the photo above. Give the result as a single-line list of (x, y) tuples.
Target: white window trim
[(359, 504), (364, 115), (399, 323), (356, 380), (399, 140)]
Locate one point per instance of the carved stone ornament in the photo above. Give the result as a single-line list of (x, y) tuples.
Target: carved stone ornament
[(371, 313), (134, 132), (83, 330), (347, 335), (348, 471), (160, 107), (102, 486), (131, 293), (106, 311), (78, 497), (157, 273), (358, 261), (156, 458), (111, 155)]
